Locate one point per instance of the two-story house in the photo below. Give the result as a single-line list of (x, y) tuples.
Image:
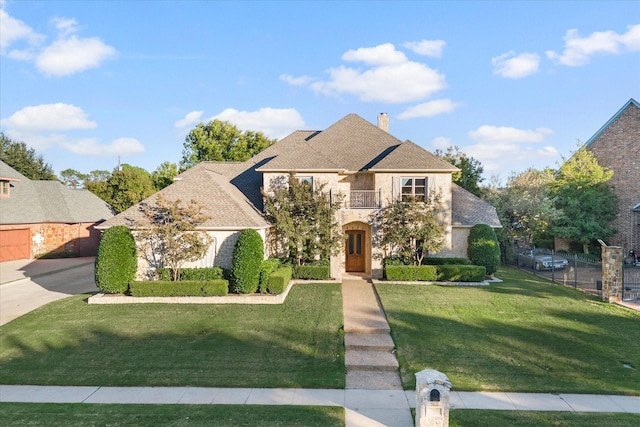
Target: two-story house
[(363, 162)]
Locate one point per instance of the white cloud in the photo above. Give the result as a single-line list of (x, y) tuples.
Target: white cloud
[(388, 77), (579, 50), (432, 48), (384, 54), (441, 143), (514, 66), (191, 118), (91, 147), (429, 109), (48, 117), (502, 134), (68, 54), (273, 122), (13, 30), (72, 55), (296, 81)]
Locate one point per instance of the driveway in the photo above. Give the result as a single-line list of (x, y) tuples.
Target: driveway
[(29, 284)]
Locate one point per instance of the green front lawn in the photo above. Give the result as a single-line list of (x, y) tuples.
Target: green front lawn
[(526, 334), (82, 415), (68, 342), (474, 417)]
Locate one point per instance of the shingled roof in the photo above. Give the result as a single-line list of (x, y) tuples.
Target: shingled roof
[(35, 201), (222, 202), (469, 210)]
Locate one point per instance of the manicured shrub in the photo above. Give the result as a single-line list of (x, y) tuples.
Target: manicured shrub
[(117, 260), (208, 273), (169, 288), (279, 279), (483, 248), (248, 254), (311, 272), (412, 273), (268, 266), (396, 260), (461, 273), (445, 261)]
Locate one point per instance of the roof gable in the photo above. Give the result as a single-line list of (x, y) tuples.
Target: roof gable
[(630, 103), (411, 157)]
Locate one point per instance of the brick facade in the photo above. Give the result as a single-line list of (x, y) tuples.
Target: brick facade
[(617, 147)]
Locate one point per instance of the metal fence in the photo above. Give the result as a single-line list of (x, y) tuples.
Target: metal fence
[(631, 282), (579, 272)]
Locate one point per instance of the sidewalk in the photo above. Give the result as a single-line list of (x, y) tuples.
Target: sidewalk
[(354, 400)]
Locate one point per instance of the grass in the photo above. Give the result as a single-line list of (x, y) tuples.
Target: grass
[(468, 417), (83, 415), (68, 342), (526, 334)]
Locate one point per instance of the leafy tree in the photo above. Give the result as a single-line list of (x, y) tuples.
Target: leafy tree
[(163, 175), (248, 255), (73, 178), (127, 186), (470, 175), (410, 229), (117, 260), (25, 160), (483, 248), (221, 141), (303, 219), (586, 202), (168, 236)]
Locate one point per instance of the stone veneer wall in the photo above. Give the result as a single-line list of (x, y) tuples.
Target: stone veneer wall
[(77, 239), (612, 257)]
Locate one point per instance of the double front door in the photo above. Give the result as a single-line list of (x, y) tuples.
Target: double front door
[(355, 251)]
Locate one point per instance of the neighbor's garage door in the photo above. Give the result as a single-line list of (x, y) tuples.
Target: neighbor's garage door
[(14, 244)]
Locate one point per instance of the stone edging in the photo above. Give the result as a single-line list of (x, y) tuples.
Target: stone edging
[(483, 283)]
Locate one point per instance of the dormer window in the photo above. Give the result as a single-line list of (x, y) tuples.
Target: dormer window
[(414, 188)]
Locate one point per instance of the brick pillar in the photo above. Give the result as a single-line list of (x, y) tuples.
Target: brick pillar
[(612, 258)]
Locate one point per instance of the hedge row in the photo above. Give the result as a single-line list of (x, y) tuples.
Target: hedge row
[(210, 273), (266, 269), (191, 288), (311, 272), (394, 260), (279, 279), (436, 273)]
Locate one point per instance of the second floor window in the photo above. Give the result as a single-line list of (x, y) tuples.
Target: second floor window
[(5, 187), (414, 188)]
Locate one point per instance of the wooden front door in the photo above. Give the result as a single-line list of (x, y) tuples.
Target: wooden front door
[(355, 251)]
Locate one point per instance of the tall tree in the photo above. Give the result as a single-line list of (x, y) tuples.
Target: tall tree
[(410, 229), (73, 178), (221, 141), (168, 236), (128, 186), (25, 160), (163, 175), (587, 202), (470, 175), (303, 219)]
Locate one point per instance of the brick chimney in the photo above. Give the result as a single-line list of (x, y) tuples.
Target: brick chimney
[(383, 122)]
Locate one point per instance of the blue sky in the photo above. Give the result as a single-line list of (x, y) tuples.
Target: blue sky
[(513, 84)]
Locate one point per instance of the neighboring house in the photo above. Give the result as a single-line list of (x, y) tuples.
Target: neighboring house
[(353, 157), (38, 217), (616, 145)]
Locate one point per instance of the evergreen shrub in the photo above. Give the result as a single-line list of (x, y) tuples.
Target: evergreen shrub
[(208, 273), (445, 261), (268, 266), (185, 288), (117, 260), (412, 273), (248, 255), (461, 273), (311, 272), (279, 279), (483, 248)]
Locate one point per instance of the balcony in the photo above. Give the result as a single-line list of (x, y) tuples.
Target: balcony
[(363, 199)]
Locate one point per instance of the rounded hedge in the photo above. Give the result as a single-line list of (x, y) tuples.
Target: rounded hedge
[(483, 248), (248, 254), (117, 260)]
